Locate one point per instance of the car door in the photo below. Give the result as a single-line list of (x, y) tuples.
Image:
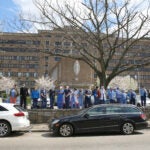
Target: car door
[(89, 121), (112, 119)]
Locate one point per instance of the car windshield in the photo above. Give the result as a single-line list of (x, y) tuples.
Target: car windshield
[(82, 111)]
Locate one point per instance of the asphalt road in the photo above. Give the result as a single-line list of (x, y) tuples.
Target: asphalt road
[(45, 141)]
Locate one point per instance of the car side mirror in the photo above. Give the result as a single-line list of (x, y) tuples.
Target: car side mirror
[(86, 116)]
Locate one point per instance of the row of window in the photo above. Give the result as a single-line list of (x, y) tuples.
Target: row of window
[(8, 49), (115, 61), (27, 66), (19, 74), (133, 54), (61, 51), (27, 83), (142, 47), (69, 44), (28, 58), (28, 42)]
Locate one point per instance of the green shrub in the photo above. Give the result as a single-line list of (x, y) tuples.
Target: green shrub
[(28, 100)]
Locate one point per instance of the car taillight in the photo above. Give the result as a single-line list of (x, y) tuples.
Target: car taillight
[(143, 116), (20, 114)]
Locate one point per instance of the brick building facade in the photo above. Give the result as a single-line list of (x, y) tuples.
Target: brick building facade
[(21, 58)]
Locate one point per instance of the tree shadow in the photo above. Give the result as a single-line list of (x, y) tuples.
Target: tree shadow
[(51, 135), (14, 134)]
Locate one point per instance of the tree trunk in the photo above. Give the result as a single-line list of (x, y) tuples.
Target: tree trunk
[(103, 81)]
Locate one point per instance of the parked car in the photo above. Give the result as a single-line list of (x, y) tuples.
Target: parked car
[(39, 103), (12, 118), (138, 101), (107, 117)]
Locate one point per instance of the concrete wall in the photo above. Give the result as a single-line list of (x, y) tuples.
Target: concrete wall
[(45, 115)]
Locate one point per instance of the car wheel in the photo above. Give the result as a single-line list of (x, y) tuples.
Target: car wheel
[(5, 129), (127, 128), (66, 130)]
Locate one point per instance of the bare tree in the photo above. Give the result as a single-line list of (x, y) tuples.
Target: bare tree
[(103, 32)]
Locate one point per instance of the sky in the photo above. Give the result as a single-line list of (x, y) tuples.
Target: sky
[(9, 9)]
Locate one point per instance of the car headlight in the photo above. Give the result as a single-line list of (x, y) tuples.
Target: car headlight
[(55, 121)]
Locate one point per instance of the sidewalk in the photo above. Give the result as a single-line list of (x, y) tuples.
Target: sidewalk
[(43, 127)]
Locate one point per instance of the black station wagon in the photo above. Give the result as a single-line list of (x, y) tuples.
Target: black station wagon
[(105, 117)]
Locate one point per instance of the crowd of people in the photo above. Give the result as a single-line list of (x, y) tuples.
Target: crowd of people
[(69, 98)]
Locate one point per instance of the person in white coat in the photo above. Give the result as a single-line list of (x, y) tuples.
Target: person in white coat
[(103, 95)]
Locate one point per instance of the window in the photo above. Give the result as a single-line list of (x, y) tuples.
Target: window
[(19, 74), (130, 110), (9, 74), (96, 111), (57, 59), (66, 51), (36, 42), (35, 74), (57, 43), (67, 44), (46, 57), (1, 73), (113, 110), (3, 109), (84, 44), (75, 52), (29, 42), (47, 42), (58, 51), (27, 74)]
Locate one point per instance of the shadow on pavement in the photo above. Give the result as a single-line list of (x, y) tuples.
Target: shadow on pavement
[(50, 135), (15, 134)]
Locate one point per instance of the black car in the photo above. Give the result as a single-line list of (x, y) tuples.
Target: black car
[(106, 117)]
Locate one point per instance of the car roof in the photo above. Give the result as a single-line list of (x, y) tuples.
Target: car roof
[(7, 104), (114, 105)]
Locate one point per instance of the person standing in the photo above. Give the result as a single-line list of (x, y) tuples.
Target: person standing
[(67, 93), (124, 97), (143, 94), (80, 98), (87, 101), (13, 94), (43, 98), (118, 95), (35, 95), (76, 97), (133, 97), (60, 98), (52, 97), (111, 95), (23, 96), (72, 99), (103, 95), (96, 93)]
